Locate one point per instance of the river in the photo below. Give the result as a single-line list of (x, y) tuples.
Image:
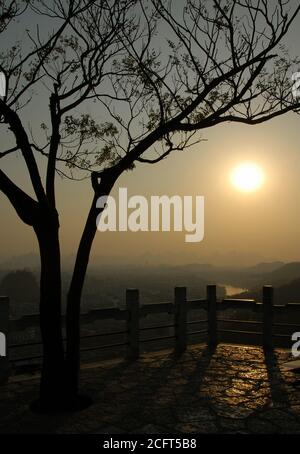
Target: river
[(231, 290)]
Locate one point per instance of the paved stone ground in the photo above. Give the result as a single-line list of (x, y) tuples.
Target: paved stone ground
[(236, 389)]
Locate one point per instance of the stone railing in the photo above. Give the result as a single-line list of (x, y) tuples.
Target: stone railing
[(134, 312)]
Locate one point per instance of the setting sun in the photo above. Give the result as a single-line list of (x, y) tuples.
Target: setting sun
[(247, 177)]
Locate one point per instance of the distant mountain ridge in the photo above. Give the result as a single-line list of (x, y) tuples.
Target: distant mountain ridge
[(286, 282), (287, 293), (106, 284), (287, 272)]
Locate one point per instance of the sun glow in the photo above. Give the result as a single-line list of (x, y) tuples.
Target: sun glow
[(247, 177)]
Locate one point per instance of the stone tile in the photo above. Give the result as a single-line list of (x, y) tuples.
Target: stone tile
[(234, 391)]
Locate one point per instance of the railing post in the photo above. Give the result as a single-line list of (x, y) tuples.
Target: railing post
[(268, 317), (211, 296), (132, 306), (180, 319), (4, 325)]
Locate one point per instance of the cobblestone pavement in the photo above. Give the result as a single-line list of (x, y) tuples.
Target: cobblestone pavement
[(235, 389)]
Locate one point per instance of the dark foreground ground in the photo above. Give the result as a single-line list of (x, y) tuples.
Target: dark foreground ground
[(236, 389)]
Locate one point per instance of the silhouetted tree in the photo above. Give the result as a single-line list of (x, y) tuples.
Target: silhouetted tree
[(161, 72)]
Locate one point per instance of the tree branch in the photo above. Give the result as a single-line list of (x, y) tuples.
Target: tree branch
[(23, 144), (25, 206)]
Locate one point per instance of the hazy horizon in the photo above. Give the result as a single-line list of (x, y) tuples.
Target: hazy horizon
[(239, 228)]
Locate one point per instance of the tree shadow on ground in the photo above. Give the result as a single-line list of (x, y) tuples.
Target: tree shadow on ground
[(197, 391), (158, 391)]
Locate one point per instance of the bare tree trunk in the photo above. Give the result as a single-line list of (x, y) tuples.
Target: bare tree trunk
[(73, 303), (52, 387), (75, 291)]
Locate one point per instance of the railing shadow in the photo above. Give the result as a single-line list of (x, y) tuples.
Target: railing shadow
[(276, 381), (173, 386)]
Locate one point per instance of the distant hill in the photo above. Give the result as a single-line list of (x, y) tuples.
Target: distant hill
[(289, 293), (22, 288), (286, 273), (283, 294), (266, 267), (245, 277), (105, 285)]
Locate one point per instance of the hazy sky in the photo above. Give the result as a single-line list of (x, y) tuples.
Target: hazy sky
[(240, 228)]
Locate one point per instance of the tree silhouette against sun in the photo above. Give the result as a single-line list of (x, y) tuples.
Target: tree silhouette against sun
[(159, 73)]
